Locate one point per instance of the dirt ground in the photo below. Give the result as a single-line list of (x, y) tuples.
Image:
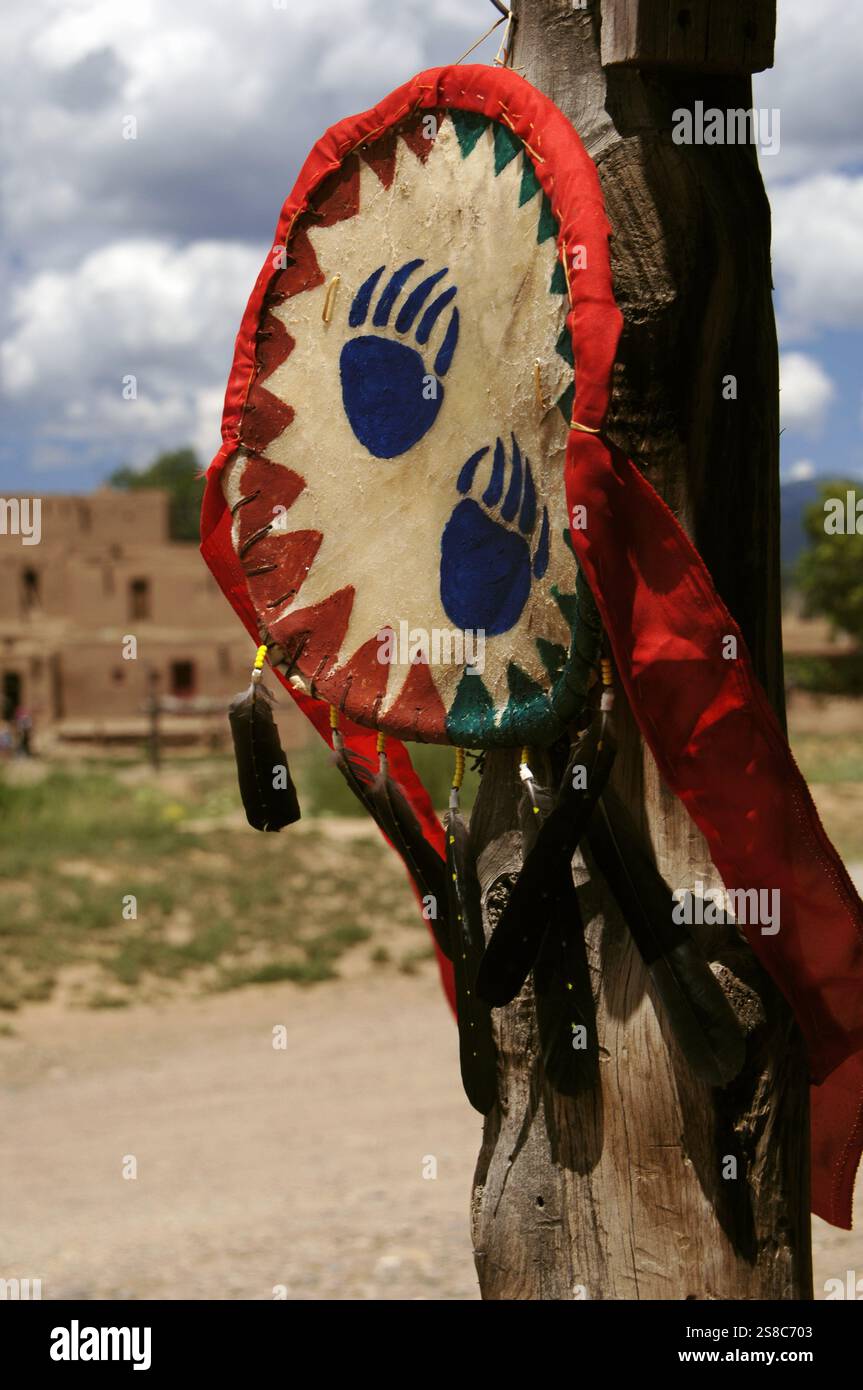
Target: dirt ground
[(261, 1171)]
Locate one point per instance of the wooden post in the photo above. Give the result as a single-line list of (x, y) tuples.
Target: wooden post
[(154, 738), (654, 1186)]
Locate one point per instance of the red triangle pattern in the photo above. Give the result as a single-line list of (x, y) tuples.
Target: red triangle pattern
[(292, 555), (301, 274), (274, 345), (418, 712), (264, 419), (413, 132), (380, 156), (312, 637), (274, 485), (358, 687), (338, 196), (269, 486)]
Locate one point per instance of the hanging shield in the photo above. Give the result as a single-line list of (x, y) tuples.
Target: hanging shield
[(398, 503)]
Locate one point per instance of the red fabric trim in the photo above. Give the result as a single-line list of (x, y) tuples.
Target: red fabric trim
[(706, 719)]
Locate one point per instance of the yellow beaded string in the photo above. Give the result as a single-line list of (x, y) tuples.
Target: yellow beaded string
[(457, 779), (606, 703), (458, 771), (258, 668)]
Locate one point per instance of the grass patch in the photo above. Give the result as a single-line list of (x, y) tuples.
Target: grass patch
[(152, 882), (141, 884), (829, 758)]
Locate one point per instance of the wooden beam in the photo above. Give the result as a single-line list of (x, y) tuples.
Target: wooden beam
[(652, 1185), (718, 36)]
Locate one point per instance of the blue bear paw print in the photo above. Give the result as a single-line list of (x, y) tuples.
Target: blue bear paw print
[(486, 568), (391, 398)]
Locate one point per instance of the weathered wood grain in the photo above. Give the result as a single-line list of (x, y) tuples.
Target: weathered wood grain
[(621, 1194), (722, 36)]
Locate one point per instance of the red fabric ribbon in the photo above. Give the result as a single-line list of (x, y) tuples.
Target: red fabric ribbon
[(705, 718)]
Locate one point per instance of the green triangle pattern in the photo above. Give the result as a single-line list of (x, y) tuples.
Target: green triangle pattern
[(564, 346), (565, 402), (506, 146), (570, 692), (470, 719), (552, 656), (567, 603), (547, 225), (528, 715), (469, 126), (529, 183), (558, 280)]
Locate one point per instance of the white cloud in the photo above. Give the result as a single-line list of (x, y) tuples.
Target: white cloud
[(229, 96), (818, 254), (805, 392), (815, 82), (802, 470), (164, 315), (137, 256)]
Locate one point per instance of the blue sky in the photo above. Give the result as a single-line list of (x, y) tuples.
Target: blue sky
[(137, 256)]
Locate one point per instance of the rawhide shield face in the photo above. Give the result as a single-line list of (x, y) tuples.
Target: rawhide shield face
[(397, 494)]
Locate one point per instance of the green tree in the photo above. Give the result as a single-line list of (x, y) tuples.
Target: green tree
[(179, 474), (830, 571)]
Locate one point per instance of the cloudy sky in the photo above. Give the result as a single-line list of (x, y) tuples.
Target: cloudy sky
[(137, 255)]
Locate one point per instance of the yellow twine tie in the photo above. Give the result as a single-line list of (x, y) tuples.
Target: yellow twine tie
[(605, 668), (480, 40), (585, 429), (334, 718), (537, 382), (381, 744), (527, 777), (330, 299)]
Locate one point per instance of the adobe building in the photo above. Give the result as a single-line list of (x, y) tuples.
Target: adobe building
[(105, 570)]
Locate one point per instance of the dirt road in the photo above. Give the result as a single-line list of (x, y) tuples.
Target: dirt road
[(257, 1167)]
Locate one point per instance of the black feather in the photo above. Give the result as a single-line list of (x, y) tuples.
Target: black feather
[(268, 804), (357, 772), (477, 1052), (518, 935), (563, 989), (388, 806), (422, 861), (704, 1024)]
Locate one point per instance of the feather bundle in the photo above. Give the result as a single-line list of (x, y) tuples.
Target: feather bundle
[(565, 1011), (516, 940), (563, 990), (269, 798), (477, 1052), (704, 1024)]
